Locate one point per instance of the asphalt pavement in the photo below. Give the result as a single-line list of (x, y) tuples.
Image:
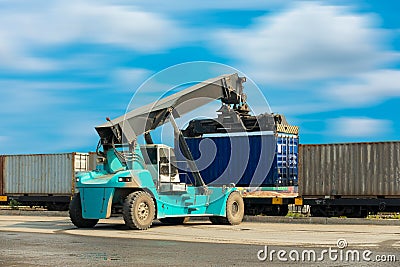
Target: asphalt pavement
[(54, 241)]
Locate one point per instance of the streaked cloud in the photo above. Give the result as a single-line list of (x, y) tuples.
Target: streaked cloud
[(129, 79), (367, 88), (50, 24), (190, 6), (24, 97), (66, 65), (308, 41), (357, 127)]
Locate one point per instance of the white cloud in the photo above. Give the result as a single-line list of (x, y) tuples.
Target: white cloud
[(23, 97), (178, 6), (307, 42), (358, 127), (22, 30), (125, 26), (129, 79), (370, 87)]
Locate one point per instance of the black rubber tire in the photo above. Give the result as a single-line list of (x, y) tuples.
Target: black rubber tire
[(174, 220), (139, 210), (234, 211), (234, 208), (75, 214)]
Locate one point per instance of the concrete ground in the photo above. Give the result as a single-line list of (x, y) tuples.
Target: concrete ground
[(54, 241)]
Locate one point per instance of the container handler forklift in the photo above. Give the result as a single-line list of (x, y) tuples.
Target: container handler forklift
[(142, 181)]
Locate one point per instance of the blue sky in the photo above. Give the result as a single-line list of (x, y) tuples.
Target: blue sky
[(332, 67)]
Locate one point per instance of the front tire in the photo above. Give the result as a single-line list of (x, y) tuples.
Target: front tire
[(139, 210), (234, 211), (234, 208), (75, 214)]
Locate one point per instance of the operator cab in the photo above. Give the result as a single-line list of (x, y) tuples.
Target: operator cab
[(161, 162)]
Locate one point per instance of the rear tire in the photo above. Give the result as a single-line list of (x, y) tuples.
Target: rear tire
[(234, 211), (139, 210), (75, 214), (174, 220)]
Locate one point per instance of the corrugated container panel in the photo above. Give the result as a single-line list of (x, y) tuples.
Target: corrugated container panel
[(92, 160), (1, 175), (243, 160), (42, 174), (351, 169)]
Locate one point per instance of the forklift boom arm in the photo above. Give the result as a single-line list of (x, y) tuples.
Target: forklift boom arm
[(125, 129)]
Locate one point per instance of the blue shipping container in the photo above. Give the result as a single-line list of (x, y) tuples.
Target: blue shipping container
[(247, 160)]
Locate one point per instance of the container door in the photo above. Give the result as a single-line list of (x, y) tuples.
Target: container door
[(287, 160), (81, 162), (281, 161)]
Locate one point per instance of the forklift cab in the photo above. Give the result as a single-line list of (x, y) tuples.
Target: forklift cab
[(161, 163)]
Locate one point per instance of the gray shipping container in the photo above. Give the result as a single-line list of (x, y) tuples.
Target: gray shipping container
[(41, 174), (92, 161), (350, 170)]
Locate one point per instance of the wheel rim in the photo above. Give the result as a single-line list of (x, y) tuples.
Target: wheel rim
[(235, 208), (143, 211)]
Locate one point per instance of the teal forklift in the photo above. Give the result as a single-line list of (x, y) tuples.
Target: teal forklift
[(142, 182)]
